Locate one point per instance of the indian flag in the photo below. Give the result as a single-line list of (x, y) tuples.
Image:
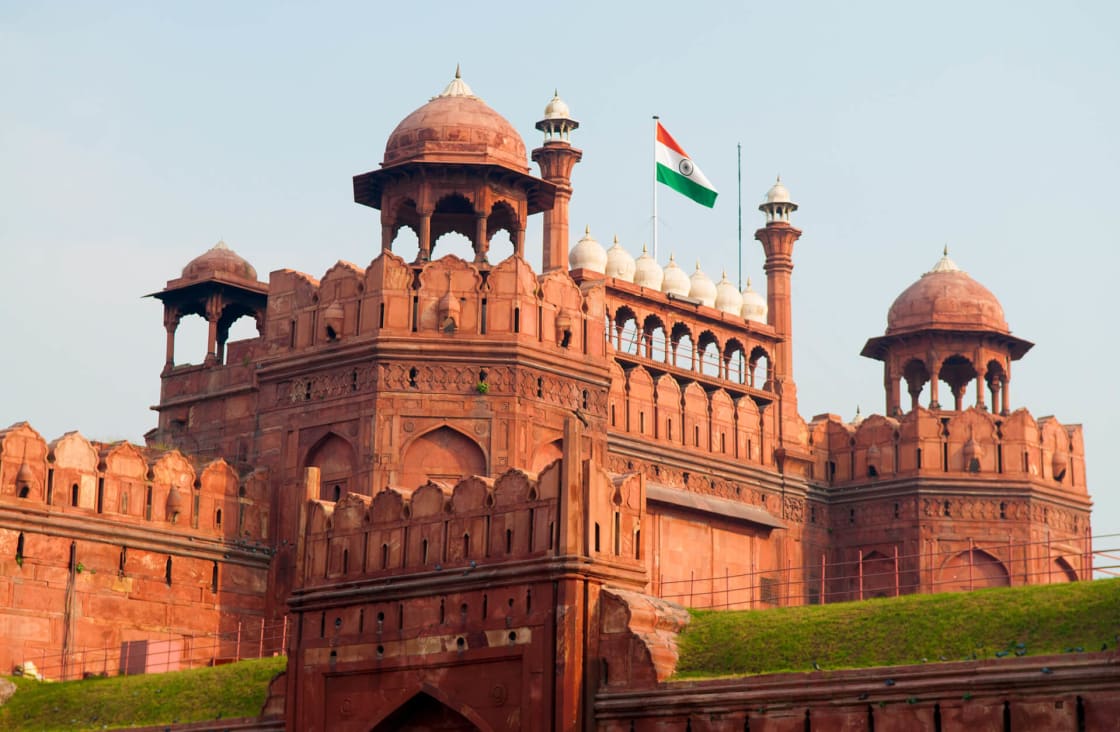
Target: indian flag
[(676, 170)]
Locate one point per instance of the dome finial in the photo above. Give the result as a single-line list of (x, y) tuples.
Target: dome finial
[(457, 87), (587, 230), (945, 251)]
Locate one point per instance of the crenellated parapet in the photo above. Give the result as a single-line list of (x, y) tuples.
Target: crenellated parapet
[(974, 443), (110, 544)]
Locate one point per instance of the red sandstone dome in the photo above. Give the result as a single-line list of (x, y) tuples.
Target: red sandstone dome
[(456, 127), (946, 298), (219, 259)]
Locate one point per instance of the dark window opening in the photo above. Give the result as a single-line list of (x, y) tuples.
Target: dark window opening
[(540, 387), (466, 546), (167, 572), (381, 315), (24, 491), (337, 492), (617, 533), (346, 561), (482, 318), (1002, 510), (442, 612), (322, 625), (852, 516), (566, 339), (218, 518), (585, 398), (384, 556), (148, 504), (50, 485), (974, 465), (638, 544), (74, 495), (509, 541), (896, 511), (872, 472), (19, 549), (121, 561), (517, 320), (596, 536), (214, 577), (331, 334), (424, 552), (946, 509)]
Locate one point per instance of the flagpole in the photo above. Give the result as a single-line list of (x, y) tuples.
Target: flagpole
[(655, 119), (739, 146)]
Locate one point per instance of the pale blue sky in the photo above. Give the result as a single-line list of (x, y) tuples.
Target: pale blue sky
[(134, 135)]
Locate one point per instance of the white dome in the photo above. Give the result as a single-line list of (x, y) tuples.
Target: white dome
[(674, 280), (620, 264), (588, 254), (557, 109), (647, 272), (754, 305), (728, 297), (778, 193), (701, 287)]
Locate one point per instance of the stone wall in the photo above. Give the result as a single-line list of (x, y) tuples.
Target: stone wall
[(108, 547)]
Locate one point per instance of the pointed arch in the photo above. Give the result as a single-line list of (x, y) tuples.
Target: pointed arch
[(443, 454), (545, 455), (335, 458), (972, 570), (429, 708)]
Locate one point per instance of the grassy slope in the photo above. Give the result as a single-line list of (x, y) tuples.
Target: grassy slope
[(234, 690), (903, 630)]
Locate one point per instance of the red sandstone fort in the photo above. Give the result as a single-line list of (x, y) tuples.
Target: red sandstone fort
[(469, 490)]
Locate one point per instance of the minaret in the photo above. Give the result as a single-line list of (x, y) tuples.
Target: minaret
[(778, 237), (556, 159)]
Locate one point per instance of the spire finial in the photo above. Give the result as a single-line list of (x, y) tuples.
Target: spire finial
[(644, 249), (748, 282), (945, 251), (458, 74), (587, 230), (556, 91), (616, 238)]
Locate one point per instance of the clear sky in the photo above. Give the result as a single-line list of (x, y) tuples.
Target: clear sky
[(135, 135)]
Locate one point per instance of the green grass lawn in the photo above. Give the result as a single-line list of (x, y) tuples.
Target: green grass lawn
[(223, 692), (903, 630)]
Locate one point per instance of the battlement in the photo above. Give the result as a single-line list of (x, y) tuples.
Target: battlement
[(126, 485), (973, 443)]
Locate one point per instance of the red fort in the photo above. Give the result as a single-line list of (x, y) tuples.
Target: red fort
[(480, 493)]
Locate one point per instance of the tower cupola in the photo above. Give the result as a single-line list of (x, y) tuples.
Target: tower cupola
[(778, 205), (557, 123)]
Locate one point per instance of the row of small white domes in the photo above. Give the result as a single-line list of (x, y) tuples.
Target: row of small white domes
[(646, 272)]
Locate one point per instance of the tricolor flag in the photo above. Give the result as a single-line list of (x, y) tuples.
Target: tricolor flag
[(676, 170)]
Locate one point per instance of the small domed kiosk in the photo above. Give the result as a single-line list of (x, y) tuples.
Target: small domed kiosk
[(947, 327), (221, 287), (455, 165)]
